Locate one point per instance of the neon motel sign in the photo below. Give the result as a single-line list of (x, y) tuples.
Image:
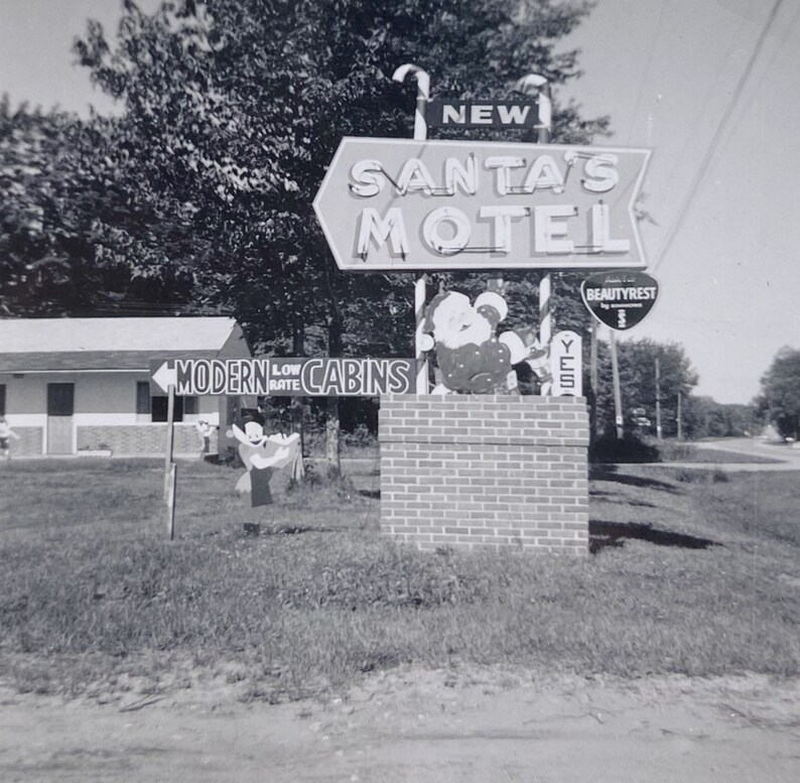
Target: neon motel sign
[(392, 204)]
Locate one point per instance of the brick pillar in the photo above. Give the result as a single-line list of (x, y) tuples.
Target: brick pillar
[(489, 471)]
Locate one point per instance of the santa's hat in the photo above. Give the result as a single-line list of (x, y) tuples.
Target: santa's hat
[(441, 305)]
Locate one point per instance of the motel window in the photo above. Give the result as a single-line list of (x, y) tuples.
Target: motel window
[(158, 409), (143, 398), (155, 406)]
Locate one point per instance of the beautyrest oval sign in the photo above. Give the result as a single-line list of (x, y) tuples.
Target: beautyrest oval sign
[(396, 204)]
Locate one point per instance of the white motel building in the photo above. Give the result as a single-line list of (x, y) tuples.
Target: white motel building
[(81, 386)]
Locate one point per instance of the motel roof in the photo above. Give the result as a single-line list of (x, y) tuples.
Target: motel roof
[(75, 344)]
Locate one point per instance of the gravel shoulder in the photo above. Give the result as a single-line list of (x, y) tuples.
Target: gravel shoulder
[(467, 725)]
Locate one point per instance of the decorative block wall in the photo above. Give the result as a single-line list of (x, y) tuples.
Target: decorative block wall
[(141, 439), (485, 471)]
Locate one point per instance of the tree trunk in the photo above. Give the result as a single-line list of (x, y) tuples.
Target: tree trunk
[(332, 421), (296, 404), (332, 438)]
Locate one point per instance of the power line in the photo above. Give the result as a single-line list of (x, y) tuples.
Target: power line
[(707, 158), (648, 66)]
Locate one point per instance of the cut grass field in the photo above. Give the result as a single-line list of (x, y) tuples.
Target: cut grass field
[(697, 576), (671, 451)]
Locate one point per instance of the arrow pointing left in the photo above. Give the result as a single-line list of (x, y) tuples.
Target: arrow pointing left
[(165, 376)]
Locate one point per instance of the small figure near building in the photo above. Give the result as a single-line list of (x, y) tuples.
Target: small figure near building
[(5, 434), (204, 432)]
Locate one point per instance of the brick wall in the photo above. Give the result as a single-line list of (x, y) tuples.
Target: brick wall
[(485, 471), (136, 439)]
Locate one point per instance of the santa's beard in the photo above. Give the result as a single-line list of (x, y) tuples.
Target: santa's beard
[(477, 333)]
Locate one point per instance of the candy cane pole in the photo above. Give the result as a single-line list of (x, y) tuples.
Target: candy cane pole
[(534, 84), (420, 134)]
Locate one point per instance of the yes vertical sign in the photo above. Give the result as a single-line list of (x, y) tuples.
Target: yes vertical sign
[(566, 364)]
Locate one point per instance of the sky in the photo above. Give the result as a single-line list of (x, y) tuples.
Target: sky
[(724, 245)]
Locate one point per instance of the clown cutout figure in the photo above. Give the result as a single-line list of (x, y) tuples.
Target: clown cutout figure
[(472, 358), (262, 454)]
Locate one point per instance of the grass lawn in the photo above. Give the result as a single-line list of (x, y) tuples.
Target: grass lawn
[(696, 576), (671, 451)]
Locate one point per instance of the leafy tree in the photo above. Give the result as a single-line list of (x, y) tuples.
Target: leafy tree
[(637, 371), (704, 417), (233, 111), (779, 400), (73, 239)]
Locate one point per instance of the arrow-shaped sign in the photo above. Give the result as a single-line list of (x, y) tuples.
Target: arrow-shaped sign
[(165, 376), (398, 204)]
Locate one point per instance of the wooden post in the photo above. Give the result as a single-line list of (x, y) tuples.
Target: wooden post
[(169, 465), (658, 399), (593, 376), (172, 480), (170, 436), (618, 417)]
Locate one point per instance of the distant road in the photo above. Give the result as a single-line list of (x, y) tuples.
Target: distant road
[(753, 447)]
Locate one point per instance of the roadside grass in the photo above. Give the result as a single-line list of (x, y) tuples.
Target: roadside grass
[(673, 451), (700, 578)]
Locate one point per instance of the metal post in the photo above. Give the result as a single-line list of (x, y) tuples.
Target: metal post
[(538, 85), (593, 374), (420, 293), (658, 399), (618, 417)]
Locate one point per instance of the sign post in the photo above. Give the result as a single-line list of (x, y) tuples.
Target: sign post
[(169, 465), (420, 134), (172, 477), (618, 418)]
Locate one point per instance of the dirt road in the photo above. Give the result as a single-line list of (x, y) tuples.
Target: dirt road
[(442, 727)]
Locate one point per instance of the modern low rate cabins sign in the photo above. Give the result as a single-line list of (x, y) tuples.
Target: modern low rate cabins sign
[(619, 299), (398, 204), (285, 377)]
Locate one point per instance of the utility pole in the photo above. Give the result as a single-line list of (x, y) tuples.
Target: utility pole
[(658, 399), (593, 375), (680, 423), (612, 343)]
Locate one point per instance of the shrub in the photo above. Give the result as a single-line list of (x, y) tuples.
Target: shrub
[(631, 448)]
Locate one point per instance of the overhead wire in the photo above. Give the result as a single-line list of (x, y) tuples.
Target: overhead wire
[(647, 67), (720, 129)]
